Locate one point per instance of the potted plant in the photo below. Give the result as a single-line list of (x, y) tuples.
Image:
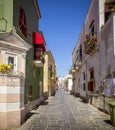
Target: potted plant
[(94, 39), (5, 68)]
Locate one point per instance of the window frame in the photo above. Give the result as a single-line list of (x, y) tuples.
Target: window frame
[(14, 56), (92, 29), (91, 73), (22, 22)]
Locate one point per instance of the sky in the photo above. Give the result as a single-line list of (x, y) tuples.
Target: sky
[(61, 23)]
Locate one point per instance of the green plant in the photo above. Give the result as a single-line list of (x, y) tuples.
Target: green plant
[(42, 58), (52, 74)]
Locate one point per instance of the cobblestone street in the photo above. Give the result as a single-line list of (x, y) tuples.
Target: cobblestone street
[(66, 112)]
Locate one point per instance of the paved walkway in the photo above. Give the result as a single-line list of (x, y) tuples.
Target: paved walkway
[(65, 112)]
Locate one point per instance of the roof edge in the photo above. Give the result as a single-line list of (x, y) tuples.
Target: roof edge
[(37, 8)]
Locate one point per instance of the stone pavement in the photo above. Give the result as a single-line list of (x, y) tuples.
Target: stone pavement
[(65, 112)]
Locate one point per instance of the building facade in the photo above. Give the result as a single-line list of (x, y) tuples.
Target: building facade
[(49, 88), (95, 53), (21, 64), (68, 83), (12, 78)]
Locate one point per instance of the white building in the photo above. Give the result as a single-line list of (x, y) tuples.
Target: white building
[(61, 83), (69, 84)]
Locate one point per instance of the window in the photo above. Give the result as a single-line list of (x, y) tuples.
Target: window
[(91, 73), (80, 52), (11, 59), (92, 31), (22, 22), (84, 87), (84, 76), (92, 28), (37, 53), (91, 85)]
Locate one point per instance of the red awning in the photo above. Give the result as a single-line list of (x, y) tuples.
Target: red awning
[(38, 39)]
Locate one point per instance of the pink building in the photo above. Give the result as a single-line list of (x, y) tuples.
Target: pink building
[(95, 51)]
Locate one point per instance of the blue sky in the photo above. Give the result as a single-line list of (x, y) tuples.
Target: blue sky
[(61, 22)]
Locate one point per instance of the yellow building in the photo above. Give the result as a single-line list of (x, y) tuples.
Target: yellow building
[(49, 75)]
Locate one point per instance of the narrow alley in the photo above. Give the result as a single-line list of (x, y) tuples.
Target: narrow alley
[(66, 112)]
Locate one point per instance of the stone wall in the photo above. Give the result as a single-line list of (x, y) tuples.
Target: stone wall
[(31, 105), (101, 102)]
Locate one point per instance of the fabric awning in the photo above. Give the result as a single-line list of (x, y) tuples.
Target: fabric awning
[(38, 38)]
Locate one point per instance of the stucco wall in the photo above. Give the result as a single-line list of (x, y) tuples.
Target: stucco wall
[(92, 60), (31, 17), (92, 15), (33, 74), (107, 49), (6, 12)]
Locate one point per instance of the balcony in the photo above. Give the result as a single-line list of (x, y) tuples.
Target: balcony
[(89, 47), (78, 58), (39, 62), (73, 68), (39, 49), (38, 40), (39, 58), (52, 75), (77, 67), (90, 44), (78, 63)]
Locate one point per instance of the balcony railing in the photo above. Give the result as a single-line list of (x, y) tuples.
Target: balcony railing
[(74, 68), (39, 60), (52, 75), (78, 63), (39, 48)]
